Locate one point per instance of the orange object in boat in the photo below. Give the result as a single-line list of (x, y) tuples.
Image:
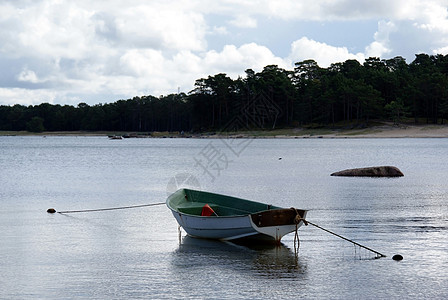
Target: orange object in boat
[(207, 211)]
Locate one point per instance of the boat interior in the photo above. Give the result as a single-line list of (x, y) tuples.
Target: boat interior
[(196, 208), (192, 202)]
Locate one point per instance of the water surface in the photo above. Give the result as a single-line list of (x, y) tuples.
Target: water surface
[(139, 254)]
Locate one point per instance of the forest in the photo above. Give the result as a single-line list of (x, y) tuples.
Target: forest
[(344, 93)]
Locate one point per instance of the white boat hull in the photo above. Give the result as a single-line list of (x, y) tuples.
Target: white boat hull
[(231, 228)]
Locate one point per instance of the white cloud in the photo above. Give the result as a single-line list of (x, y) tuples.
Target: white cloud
[(381, 45), (27, 96), (74, 30), (51, 50), (244, 21), (342, 10), (52, 30), (322, 53), (142, 62), (376, 49), (234, 61), (150, 70), (28, 76), (220, 30), (443, 51), (161, 28)]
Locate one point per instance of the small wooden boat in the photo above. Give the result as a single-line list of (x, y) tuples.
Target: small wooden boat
[(214, 216)]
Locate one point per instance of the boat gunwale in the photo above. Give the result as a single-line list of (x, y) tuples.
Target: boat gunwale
[(243, 213), (232, 216)]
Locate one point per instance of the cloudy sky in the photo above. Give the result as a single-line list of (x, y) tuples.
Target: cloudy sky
[(93, 51)]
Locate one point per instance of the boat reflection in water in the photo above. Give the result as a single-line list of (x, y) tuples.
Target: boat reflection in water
[(261, 260)]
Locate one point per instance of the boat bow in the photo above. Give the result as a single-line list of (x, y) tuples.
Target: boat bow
[(277, 223)]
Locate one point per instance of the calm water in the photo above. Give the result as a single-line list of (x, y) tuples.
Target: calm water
[(139, 254)]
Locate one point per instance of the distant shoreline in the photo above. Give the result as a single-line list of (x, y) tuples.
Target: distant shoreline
[(379, 131)]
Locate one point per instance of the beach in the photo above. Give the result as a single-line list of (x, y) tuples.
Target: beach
[(383, 130), (391, 131)]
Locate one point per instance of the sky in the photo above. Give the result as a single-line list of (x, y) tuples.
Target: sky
[(68, 52)]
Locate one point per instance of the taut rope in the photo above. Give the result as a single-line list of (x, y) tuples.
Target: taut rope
[(111, 208), (379, 255), (298, 219)]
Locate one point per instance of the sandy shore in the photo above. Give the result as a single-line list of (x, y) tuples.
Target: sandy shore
[(380, 131), (390, 131)]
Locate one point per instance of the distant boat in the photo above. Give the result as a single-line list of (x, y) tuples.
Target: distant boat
[(115, 137), (214, 216)]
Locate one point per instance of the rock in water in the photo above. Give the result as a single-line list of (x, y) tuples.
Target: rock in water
[(382, 171)]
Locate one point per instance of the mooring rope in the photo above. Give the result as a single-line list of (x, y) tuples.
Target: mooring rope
[(296, 239), (344, 238), (297, 220), (103, 209)]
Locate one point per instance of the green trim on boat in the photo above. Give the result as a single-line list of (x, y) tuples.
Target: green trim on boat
[(191, 202)]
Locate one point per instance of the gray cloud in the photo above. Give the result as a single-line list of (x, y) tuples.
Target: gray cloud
[(66, 51), (105, 27)]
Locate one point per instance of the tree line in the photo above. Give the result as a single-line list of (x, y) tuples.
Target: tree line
[(344, 93)]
